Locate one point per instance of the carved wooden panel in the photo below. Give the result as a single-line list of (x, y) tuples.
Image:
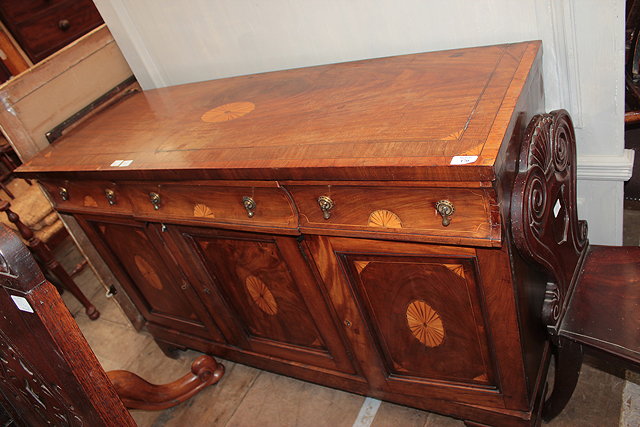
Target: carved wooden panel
[(544, 217), (150, 275), (265, 296), (24, 386), (48, 373)]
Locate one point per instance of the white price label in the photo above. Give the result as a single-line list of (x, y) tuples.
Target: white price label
[(463, 160), (22, 303)]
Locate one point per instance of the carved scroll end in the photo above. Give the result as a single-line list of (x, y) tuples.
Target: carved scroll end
[(551, 307)]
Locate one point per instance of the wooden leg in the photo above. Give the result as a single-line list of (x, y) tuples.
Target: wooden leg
[(568, 358), (78, 268), (137, 393), (45, 255)]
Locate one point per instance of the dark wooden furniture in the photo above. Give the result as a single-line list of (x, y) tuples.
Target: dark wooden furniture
[(346, 224), (592, 296), (41, 27), (48, 373)]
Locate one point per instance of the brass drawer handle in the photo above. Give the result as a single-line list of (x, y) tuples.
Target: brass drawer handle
[(446, 210), (249, 205), (64, 193), (110, 195), (155, 200), (326, 204)]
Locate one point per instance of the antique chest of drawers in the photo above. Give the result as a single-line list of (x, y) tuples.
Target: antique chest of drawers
[(345, 224)]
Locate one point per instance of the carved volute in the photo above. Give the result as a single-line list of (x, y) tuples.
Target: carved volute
[(544, 217)]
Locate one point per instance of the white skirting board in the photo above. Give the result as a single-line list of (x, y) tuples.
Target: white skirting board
[(601, 195)]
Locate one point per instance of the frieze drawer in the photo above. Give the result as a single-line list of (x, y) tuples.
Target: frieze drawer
[(88, 196), (454, 215), (253, 206)]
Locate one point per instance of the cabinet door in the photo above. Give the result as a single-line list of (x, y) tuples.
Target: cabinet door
[(136, 254), (264, 297), (414, 313)]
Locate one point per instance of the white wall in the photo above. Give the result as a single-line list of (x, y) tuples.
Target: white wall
[(169, 42)]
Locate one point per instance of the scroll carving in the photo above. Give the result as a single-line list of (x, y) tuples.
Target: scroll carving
[(30, 389), (544, 219)]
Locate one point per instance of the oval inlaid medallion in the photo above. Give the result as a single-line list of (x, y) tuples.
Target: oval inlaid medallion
[(425, 323), (148, 272), (203, 211), (261, 295), (384, 218), (227, 112)]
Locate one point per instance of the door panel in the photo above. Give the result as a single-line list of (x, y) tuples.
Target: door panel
[(414, 314), (136, 254), (266, 295)]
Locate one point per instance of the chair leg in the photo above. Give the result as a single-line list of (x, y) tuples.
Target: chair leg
[(6, 190), (568, 358), (48, 259)]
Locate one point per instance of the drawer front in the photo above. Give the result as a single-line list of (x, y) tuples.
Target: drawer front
[(399, 213), (56, 27), (88, 196), (220, 205), (18, 11)]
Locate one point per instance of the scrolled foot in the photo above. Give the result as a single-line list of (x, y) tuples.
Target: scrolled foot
[(137, 393)]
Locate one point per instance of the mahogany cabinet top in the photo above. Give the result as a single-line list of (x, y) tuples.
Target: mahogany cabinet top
[(397, 118)]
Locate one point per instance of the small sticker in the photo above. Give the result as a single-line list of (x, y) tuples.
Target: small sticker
[(125, 163), (116, 163), (22, 303), (463, 160), (556, 208)]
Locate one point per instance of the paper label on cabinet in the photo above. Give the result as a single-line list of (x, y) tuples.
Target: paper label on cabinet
[(117, 163), (22, 303), (463, 160)]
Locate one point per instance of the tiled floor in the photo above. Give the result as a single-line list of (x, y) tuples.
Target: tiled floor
[(251, 397)]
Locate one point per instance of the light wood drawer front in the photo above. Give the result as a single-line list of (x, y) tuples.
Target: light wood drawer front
[(214, 204), (88, 196), (406, 213)]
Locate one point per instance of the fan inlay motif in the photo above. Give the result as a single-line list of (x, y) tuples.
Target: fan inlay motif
[(227, 112), (425, 323), (261, 295), (203, 211), (385, 219)]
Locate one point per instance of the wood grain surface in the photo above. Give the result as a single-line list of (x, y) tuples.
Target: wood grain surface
[(401, 117), (604, 312)]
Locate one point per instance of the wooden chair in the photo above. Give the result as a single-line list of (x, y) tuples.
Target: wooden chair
[(48, 373), (592, 295), (47, 261)]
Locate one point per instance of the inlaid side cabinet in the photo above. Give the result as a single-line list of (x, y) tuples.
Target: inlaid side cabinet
[(347, 224)]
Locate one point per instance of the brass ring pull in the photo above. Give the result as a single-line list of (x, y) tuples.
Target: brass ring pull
[(155, 200), (446, 210), (249, 205), (110, 195), (64, 193), (326, 204)]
